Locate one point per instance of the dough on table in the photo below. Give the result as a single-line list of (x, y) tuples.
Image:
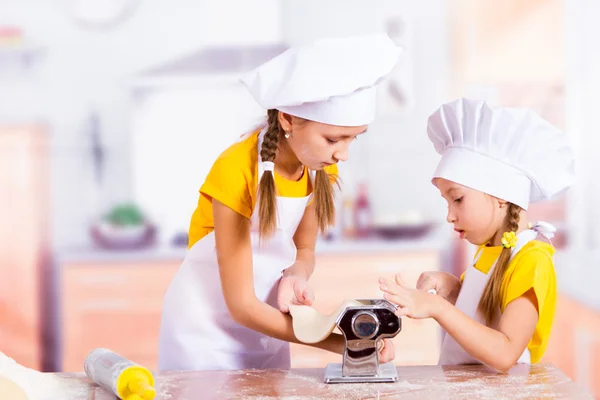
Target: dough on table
[(310, 326), (10, 390)]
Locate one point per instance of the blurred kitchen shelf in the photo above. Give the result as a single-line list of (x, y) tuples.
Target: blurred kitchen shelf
[(96, 254), (438, 239)]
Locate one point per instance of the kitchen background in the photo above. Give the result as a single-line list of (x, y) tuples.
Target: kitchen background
[(111, 114)]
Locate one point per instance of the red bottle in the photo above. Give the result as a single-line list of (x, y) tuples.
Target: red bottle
[(362, 212)]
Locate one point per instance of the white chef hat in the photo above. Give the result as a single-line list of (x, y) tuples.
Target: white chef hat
[(331, 80), (509, 153)]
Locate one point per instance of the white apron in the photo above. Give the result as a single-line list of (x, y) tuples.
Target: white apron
[(197, 332), (470, 293)]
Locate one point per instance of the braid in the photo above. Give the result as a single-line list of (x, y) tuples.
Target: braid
[(490, 300), (513, 216), (271, 139), (267, 196)]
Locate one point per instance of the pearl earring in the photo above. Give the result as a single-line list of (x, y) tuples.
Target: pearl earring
[(287, 135)]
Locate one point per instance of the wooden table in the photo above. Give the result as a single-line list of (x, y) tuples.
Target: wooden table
[(422, 382)]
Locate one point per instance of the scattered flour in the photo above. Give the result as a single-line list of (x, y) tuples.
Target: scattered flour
[(164, 389), (302, 387), (500, 386)]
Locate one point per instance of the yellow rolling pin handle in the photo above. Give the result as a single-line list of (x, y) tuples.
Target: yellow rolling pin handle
[(135, 397), (142, 390), (136, 383)]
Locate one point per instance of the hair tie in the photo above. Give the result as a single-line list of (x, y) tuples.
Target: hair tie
[(509, 240), (269, 166)]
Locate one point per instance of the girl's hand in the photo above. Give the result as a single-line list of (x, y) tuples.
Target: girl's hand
[(293, 290), (386, 351), (411, 302), (445, 284)]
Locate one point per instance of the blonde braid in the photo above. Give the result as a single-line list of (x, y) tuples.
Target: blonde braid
[(267, 207), (490, 300)]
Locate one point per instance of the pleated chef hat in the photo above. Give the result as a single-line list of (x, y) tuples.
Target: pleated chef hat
[(509, 153), (331, 80)]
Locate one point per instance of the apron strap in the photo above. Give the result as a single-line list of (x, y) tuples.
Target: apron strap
[(260, 164), (539, 228)]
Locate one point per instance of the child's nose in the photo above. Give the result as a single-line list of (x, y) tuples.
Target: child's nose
[(341, 153), (450, 217)]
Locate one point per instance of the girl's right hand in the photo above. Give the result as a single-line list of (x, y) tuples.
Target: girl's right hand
[(445, 284)]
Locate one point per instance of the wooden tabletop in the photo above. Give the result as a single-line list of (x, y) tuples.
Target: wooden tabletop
[(415, 382)]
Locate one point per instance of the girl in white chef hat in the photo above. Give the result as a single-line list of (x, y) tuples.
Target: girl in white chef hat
[(252, 236), (494, 163)]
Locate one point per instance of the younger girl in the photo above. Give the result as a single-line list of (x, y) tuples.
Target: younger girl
[(494, 163)]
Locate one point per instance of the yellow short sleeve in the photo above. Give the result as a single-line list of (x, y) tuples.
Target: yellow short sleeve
[(228, 183), (534, 270), (231, 181)]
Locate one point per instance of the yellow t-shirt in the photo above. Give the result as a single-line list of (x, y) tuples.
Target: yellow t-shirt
[(532, 267), (233, 181)]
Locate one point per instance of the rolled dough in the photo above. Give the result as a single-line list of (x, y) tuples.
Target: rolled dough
[(310, 326), (10, 390)]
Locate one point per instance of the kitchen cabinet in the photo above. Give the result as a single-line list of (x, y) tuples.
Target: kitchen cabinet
[(115, 305), (24, 247)]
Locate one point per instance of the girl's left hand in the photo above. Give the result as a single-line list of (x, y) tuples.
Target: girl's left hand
[(294, 290), (411, 302), (386, 351)]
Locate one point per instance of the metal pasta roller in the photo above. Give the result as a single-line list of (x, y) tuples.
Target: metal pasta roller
[(363, 325)]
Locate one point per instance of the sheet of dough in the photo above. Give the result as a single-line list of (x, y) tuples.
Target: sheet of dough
[(310, 326), (10, 390)]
